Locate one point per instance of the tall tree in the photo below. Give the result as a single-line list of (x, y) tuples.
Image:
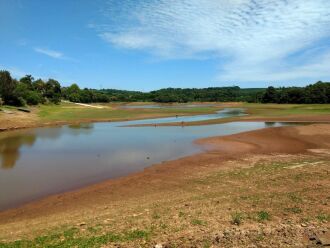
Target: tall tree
[(270, 95), (27, 80), (53, 91), (7, 87)]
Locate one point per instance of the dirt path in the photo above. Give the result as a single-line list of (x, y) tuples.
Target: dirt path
[(86, 105)]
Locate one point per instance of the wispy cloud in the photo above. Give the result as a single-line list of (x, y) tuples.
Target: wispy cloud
[(50, 53), (53, 54), (253, 39)]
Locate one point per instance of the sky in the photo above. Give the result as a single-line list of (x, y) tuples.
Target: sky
[(151, 44)]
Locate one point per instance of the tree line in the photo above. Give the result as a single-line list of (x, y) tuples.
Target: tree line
[(28, 91), (313, 93)]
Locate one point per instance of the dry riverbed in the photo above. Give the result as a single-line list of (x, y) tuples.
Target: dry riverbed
[(265, 188)]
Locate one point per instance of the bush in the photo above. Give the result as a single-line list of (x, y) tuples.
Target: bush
[(263, 215), (236, 218), (33, 98), (20, 101)]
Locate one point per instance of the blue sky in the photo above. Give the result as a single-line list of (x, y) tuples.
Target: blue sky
[(151, 44)]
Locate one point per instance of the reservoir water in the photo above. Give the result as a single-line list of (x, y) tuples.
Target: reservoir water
[(43, 161)]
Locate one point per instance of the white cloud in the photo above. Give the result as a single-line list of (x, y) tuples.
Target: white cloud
[(253, 38), (54, 54), (50, 53)]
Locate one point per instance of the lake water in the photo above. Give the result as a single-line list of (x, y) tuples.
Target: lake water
[(157, 106), (225, 113), (43, 161)]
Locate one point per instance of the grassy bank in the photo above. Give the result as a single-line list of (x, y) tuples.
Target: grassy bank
[(271, 110), (72, 113), (271, 113), (64, 113)]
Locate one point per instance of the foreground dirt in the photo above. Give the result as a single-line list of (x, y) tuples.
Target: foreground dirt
[(265, 188)]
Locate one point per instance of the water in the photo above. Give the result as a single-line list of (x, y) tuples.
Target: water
[(225, 113), (43, 161), (162, 106)]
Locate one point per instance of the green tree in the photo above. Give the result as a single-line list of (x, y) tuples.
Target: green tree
[(27, 80), (53, 91), (40, 86), (317, 93), (72, 93), (7, 87), (270, 95)]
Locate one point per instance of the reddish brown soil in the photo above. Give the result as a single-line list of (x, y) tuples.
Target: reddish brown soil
[(162, 176)]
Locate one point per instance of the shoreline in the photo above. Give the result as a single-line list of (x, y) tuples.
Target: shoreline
[(19, 120), (269, 140), (36, 124), (296, 119), (190, 199)]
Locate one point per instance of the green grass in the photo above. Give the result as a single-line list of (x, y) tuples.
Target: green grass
[(236, 218), (263, 215), (323, 217), (286, 109), (73, 238), (71, 112), (197, 222), (259, 110), (295, 210)]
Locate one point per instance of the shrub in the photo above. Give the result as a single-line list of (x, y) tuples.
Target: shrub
[(33, 98), (236, 218), (263, 215)]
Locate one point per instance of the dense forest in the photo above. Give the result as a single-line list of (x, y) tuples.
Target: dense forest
[(28, 91)]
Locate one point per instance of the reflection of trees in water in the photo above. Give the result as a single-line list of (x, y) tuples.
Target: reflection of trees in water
[(270, 124), (82, 126), (78, 129), (10, 145), (9, 148)]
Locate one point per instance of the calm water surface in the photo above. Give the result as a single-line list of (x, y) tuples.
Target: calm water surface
[(157, 106), (42, 161), (225, 113)]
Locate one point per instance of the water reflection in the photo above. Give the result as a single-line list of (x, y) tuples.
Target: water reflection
[(85, 126), (9, 148), (12, 142), (165, 106), (270, 124), (224, 113)]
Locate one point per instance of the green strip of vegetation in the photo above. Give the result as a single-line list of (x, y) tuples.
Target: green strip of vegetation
[(73, 238), (29, 91)]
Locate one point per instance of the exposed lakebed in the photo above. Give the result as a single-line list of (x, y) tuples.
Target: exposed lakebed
[(43, 161)]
